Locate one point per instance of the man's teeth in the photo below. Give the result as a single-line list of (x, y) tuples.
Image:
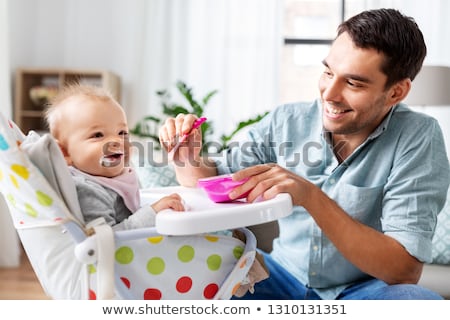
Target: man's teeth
[(335, 111)]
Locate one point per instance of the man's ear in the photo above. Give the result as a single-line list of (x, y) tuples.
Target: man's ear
[(65, 153), (399, 91)]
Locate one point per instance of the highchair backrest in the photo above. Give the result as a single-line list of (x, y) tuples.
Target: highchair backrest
[(38, 211)]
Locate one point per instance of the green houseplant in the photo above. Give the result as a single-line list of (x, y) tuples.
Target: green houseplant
[(148, 126)]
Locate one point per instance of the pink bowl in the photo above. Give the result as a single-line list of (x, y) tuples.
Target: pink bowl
[(219, 187)]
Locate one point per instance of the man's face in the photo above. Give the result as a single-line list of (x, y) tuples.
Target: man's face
[(352, 90)]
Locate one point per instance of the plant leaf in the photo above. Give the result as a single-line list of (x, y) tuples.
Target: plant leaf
[(174, 110), (209, 96), (226, 138)]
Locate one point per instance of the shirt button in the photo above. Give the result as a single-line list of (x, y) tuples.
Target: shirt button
[(315, 248), (332, 181), (313, 273)]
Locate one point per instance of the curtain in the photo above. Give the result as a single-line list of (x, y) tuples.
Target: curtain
[(232, 46), (9, 243)]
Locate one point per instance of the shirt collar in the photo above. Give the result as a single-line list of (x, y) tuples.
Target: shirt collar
[(383, 125)]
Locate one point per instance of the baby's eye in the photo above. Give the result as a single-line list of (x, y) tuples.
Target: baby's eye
[(123, 133), (97, 135)]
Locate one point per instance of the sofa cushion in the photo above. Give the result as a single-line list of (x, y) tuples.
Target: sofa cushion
[(437, 278), (441, 239), (156, 176)]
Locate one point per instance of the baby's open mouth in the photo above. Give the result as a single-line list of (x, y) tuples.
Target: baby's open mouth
[(111, 160)]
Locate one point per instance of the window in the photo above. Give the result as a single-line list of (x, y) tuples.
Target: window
[(309, 27)]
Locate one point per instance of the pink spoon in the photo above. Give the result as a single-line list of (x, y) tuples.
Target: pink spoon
[(197, 123)]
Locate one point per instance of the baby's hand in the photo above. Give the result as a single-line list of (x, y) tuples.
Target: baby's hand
[(172, 201)]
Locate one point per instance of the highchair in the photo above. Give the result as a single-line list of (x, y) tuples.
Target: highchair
[(183, 257)]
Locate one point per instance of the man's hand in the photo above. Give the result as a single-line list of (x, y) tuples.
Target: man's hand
[(172, 131), (268, 180)]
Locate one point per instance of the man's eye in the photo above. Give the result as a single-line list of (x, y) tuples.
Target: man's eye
[(354, 84), (328, 74)]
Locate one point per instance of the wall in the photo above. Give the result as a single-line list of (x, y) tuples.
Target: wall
[(222, 45), (9, 242), (78, 34), (5, 92)]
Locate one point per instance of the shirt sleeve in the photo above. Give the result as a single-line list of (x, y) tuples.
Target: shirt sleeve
[(416, 189), (142, 218)]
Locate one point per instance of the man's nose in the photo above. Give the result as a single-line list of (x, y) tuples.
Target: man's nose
[(332, 90)]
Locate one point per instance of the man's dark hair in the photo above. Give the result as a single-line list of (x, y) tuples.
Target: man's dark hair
[(395, 35)]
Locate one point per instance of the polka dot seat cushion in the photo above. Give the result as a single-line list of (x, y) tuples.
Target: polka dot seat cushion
[(187, 267)]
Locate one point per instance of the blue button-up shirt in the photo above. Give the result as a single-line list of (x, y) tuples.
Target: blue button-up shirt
[(395, 182)]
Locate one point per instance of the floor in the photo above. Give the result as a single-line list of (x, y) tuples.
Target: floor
[(20, 283)]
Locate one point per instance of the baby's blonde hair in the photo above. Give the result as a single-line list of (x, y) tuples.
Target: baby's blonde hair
[(52, 113)]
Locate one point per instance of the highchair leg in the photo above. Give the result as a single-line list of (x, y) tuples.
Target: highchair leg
[(99, 249)]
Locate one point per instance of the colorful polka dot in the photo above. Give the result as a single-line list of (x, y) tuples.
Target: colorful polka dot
[(11, 199), (210, 290), (235, 288), (14, 181), (30, 210), (124, 255), (238, 251), (243, 264), (214, 261), (92, 295), (186, 253), (20, 171), (44, 199), (92, 269), (155, 240), (184, 284), (152, 294), (3, 143), (126, 282), (212, 238), (156, 265)]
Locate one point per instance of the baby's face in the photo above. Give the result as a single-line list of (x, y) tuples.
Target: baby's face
[(95, 136)]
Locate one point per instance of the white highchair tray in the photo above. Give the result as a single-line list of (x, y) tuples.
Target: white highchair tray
[(204, 215)]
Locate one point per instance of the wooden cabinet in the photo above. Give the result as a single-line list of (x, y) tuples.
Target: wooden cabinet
[(28, 112)]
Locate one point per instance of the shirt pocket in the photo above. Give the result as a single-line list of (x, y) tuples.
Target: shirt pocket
[(362, 203)]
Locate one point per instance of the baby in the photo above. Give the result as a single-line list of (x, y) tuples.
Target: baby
[(91, 129)]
